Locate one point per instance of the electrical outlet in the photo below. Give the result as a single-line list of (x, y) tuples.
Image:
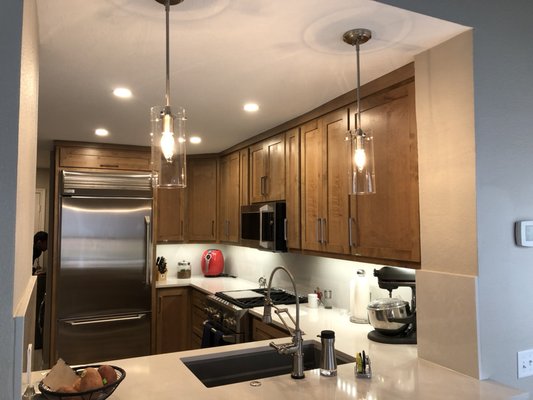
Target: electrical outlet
[(525, 363)]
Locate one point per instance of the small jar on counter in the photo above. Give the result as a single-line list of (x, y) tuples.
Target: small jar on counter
[(184, 269)]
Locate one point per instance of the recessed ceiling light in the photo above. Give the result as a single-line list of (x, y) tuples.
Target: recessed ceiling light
[(101, 132), (251, 107), (195, 139), (123, 93)]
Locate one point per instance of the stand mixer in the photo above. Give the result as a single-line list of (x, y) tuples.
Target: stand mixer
[(391, 278)]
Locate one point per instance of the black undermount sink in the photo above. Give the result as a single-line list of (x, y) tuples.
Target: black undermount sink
[(250, 364)]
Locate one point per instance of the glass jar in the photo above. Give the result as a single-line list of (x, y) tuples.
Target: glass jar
[(184, 269)]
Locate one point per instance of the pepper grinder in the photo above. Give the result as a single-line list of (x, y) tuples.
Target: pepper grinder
[(328, 361)]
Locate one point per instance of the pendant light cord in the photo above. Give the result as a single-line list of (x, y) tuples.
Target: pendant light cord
[(167, 12), (359, 129)]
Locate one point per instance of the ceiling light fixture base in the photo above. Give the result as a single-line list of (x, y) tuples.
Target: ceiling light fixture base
[(172, 2), (357, 36)]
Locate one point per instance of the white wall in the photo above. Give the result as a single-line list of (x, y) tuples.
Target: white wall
[(503, 96), (18, 131)]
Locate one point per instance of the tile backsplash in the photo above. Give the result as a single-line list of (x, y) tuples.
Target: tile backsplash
[(309, 271)]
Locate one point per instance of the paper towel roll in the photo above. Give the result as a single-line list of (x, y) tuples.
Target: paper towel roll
[(359, 298)]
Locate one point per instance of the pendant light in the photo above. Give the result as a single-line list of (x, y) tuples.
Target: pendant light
[(168, 131), (363, 179)]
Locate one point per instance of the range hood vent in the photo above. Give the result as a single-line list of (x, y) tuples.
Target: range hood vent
[(85, 183)]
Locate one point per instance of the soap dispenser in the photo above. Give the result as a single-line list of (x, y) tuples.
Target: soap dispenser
[(328, 361)]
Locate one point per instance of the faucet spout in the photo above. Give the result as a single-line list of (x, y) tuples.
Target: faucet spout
[(295, 348)]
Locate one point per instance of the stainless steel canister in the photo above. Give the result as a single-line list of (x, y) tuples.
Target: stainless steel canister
[(328, 361)]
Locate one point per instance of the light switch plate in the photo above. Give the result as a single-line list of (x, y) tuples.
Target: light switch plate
[(525, 363)]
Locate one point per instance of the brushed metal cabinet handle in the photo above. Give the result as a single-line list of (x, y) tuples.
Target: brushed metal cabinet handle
[(148, 250), (322, 229), (106, 320)]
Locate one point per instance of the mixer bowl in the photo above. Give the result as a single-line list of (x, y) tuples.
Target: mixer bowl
[(381, 311)]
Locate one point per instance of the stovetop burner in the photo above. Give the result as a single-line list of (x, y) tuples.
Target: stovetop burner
[(256, 297)]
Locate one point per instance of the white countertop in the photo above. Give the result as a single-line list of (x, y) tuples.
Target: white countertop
[(208, 285), (397, 371)]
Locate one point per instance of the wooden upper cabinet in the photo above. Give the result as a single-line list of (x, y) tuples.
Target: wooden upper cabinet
[(170, 212), (386, 224), (202, 199), (292, 187), (325, 165), (229, 207), (244, 177), (311, 184), (102, 157), (267, 170), (337, 170)]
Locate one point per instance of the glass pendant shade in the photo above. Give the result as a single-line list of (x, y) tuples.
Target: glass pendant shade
[(363, 177), (363, 174), (168, 147)]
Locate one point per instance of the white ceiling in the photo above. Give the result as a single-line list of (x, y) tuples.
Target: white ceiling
[(286, 55)]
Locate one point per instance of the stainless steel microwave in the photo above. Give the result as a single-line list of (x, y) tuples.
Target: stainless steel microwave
[(263, 226)]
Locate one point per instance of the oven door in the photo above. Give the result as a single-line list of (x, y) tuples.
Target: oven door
[(214, 335)]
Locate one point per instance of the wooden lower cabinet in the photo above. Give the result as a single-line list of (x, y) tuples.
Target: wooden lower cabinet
[(262, 331), (198, 316), (173, 320)]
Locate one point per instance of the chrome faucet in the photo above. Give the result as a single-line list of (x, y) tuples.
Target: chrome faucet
[(295, 347)]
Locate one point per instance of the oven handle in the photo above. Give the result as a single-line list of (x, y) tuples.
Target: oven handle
[(226, 338)]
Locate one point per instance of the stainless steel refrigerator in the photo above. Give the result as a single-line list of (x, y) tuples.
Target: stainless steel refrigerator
[(103, 283)]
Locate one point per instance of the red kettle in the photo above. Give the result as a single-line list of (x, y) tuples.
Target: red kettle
[(212, 262)]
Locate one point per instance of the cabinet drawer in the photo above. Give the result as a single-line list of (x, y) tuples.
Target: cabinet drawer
[(198, 299), (198, 316), (92, 157)]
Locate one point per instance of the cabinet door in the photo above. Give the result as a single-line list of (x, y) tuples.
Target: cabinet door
[(292, 187), (244, 178), (105, 157), (170, 215), (173, 323), (275, 168), (386, 224), (312, 176), (267, 170), (229, 198), (336, 199), (257, 173), (202, 199), (262, 331)]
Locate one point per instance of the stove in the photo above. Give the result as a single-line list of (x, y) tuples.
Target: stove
[(228, 311), (256, 297)]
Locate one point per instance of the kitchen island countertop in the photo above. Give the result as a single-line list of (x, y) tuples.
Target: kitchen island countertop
[(398, 373)]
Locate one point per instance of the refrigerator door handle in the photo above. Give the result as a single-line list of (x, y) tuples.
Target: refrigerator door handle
[(148, 261), (105, 320)]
